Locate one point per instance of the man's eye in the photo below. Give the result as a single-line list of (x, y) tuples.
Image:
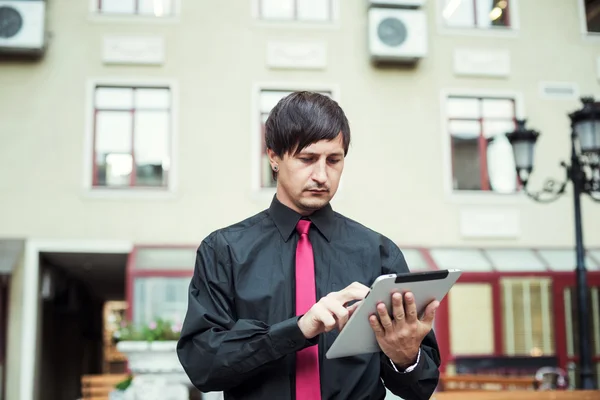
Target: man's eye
[(334, 161), (305, 159)]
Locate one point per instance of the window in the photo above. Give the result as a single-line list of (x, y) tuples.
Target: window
[(592, 15), (572, 320), (566, 260), (153, 8), (517, 260), (132, 137), (462, 308), (268, 100), (472, 260), (528, 317), (158, 280), (482, 157), (160, 298), (482, 14), (296, 10), (415, 260)]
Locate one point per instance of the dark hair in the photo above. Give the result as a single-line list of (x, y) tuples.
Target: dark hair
[(303, 118)]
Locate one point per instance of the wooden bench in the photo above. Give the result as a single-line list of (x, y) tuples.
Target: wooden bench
[(98, 387), (518, 395), (466, 382)]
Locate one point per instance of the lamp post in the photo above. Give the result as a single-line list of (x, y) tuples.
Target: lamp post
[(584, 173)]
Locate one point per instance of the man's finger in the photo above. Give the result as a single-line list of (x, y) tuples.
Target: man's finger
[(353, 308), (353, 292), (398, 307), (340, 312), (324, 315), (410, 308), (384, 318), (376, 326), (429, 313)]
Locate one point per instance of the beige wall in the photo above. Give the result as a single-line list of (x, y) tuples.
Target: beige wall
[(13, 359), (216, 54)]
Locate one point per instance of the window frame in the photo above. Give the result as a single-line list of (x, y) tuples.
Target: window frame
[(265, 193), (473, 196), (589, 36), (95, 14), (333, 22), (88, 170), (510, 32)]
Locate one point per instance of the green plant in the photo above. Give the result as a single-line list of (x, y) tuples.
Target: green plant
[(156, 330), (123, 385)]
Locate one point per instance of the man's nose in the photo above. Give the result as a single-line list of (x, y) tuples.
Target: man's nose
[(320, 173)]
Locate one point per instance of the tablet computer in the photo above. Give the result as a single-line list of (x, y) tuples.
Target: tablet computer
[(357, 336)]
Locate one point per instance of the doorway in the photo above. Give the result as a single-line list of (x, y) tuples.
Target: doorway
[(74, 288), (4, 296)]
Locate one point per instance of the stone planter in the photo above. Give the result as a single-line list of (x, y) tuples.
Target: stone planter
[(151, 357), (158, 374)]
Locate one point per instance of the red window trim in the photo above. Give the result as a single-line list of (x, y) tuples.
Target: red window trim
[(132, 178)]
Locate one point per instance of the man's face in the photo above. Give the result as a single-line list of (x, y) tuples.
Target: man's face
[(308, 180)]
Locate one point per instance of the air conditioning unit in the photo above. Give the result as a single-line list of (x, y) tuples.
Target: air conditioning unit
[(22, 26), (398, 3), (397, 35)]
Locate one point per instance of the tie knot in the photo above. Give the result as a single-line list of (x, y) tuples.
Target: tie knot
[(303, 226)]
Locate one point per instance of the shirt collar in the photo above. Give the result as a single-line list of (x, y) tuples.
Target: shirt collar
[(286, 219)]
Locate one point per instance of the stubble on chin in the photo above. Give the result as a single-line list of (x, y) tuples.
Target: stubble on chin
[(313, 204)]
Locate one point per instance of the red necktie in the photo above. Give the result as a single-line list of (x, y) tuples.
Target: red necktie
[(308, 384)]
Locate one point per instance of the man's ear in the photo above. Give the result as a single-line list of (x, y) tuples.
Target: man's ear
[(274, 159)]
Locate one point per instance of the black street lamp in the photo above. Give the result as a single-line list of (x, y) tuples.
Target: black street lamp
[(584, 173)]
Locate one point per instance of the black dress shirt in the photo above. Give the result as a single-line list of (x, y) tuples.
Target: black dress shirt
[(240, 333)]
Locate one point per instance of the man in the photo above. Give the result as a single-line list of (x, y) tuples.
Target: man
[(270, 294)]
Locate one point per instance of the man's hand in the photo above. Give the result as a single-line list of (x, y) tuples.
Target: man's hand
[(400, 337), (331, 312)]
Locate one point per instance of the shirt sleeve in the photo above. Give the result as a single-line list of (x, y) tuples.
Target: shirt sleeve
[(420, 382), (218, 351), (410, 367)]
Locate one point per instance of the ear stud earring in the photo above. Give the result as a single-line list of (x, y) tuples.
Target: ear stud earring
[(275, 168)]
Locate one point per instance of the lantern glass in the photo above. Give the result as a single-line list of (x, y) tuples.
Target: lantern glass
[(588, 133), (523, 152)]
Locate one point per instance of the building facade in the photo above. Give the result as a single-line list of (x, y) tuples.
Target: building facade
[(139, 131)]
